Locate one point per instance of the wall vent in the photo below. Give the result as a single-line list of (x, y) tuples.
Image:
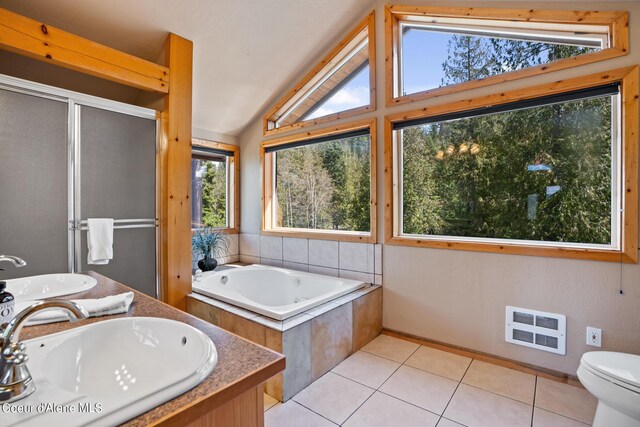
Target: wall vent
[(536, 329)]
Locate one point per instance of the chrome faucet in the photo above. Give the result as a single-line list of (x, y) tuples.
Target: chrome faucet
[(15, 380), (18, 262)]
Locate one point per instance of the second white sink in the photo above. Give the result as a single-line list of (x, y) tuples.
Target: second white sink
[(49, 286), (112, 371)]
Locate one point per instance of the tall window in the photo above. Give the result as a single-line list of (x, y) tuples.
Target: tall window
[(321, 183), (341, 85), (543, 169), (443, 50), (213, 185)]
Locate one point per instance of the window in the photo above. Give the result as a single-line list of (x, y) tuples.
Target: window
[(214, 186), (341, 85), (444, 50), (321, 184), (536, 171)]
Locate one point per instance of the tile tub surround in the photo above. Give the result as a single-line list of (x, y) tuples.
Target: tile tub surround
[(397, 382), (241, 364), (313, 342), (357, 261)]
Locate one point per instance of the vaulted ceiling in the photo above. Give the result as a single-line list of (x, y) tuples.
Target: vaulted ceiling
[(245, 51)]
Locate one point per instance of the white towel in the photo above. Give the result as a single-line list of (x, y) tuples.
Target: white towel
[(114, 304), (99, 240)]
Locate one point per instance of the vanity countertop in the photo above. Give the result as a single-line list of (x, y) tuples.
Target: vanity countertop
[(242, 365)]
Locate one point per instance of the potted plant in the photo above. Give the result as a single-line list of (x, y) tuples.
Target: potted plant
[(209, 243)]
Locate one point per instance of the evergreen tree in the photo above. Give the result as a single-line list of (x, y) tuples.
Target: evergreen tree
[(541, 174), (334, 162), (214, 194), (469, 58)]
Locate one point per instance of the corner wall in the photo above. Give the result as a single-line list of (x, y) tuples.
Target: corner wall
[(459, 297)]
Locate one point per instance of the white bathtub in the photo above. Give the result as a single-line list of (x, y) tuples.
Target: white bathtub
[(278, 293)]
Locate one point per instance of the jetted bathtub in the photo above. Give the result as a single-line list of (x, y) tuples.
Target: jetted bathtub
[(274, 292)]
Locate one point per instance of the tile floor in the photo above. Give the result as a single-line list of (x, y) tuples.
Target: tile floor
[(393, 382)]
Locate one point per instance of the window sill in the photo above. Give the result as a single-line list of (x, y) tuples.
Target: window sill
[(226, 230), (320, 120), (341, 236), (515, 249)]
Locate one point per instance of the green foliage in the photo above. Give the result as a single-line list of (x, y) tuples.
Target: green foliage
[(214, 194), (469, 59), (472, 177), (325, 185), (209, 242)]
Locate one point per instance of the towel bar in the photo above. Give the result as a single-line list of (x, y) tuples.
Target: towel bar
[(134, 223)]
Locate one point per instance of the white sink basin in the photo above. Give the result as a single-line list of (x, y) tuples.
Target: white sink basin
[(49, 286), (114, 370)]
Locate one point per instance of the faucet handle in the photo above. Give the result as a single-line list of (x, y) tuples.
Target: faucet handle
[(15, 353), (15, 379)]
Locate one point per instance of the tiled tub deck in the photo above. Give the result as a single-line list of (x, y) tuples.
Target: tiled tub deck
[(314, 342)]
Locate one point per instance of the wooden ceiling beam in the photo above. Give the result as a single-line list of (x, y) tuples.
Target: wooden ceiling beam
[(34, 39)]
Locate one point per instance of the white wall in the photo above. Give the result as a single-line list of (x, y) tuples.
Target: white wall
[(459, 297)]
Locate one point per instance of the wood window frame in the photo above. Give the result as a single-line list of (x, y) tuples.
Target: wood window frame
[(234, 181), (628, 252), (266, 161), (616, 21), (369, 24)]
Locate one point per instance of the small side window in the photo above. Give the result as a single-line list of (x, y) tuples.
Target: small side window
[(214, 186)]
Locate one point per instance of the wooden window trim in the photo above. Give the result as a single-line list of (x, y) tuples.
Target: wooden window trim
[(234, 215), (628, 78), (617, 21), (369, 24), (267, 186)]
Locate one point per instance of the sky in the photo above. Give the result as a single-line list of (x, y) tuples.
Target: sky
[(425, 53), (354, 94)]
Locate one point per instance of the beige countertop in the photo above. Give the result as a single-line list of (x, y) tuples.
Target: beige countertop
[(241, 365)]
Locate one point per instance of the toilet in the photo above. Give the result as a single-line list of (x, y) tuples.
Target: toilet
[(614, 379)]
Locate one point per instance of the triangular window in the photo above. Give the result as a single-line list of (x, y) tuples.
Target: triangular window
[(341, 85)]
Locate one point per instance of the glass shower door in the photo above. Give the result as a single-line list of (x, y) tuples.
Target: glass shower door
[(33, 183), (117, 179)]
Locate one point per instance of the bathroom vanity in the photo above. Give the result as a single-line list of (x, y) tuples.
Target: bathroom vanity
[(232, 395)]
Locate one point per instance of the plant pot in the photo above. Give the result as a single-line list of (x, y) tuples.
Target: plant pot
[(207, 264)]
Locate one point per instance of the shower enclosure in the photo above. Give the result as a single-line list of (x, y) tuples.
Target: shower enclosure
[(66, 157)]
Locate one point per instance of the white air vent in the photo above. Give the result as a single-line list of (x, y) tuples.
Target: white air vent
[(536, 329)]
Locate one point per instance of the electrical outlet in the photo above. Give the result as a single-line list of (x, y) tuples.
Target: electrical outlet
[(594, 336)]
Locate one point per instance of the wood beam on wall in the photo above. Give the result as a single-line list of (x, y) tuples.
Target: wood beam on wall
[(37, 40), (175, 263)]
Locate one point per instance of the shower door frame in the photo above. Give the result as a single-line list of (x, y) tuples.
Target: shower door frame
[(75, 101)]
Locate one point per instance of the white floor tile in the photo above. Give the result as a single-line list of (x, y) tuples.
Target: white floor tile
[(566, 400), (367, 369), (385, 411), (334, 397), (542, 418), (479, 408), (391, 348), (426, 390), (291, 414), (443, 363)]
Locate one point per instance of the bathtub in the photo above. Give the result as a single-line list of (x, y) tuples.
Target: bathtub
[(274, 292)]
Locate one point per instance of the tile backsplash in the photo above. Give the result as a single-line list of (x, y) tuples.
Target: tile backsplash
[(357, 261)]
